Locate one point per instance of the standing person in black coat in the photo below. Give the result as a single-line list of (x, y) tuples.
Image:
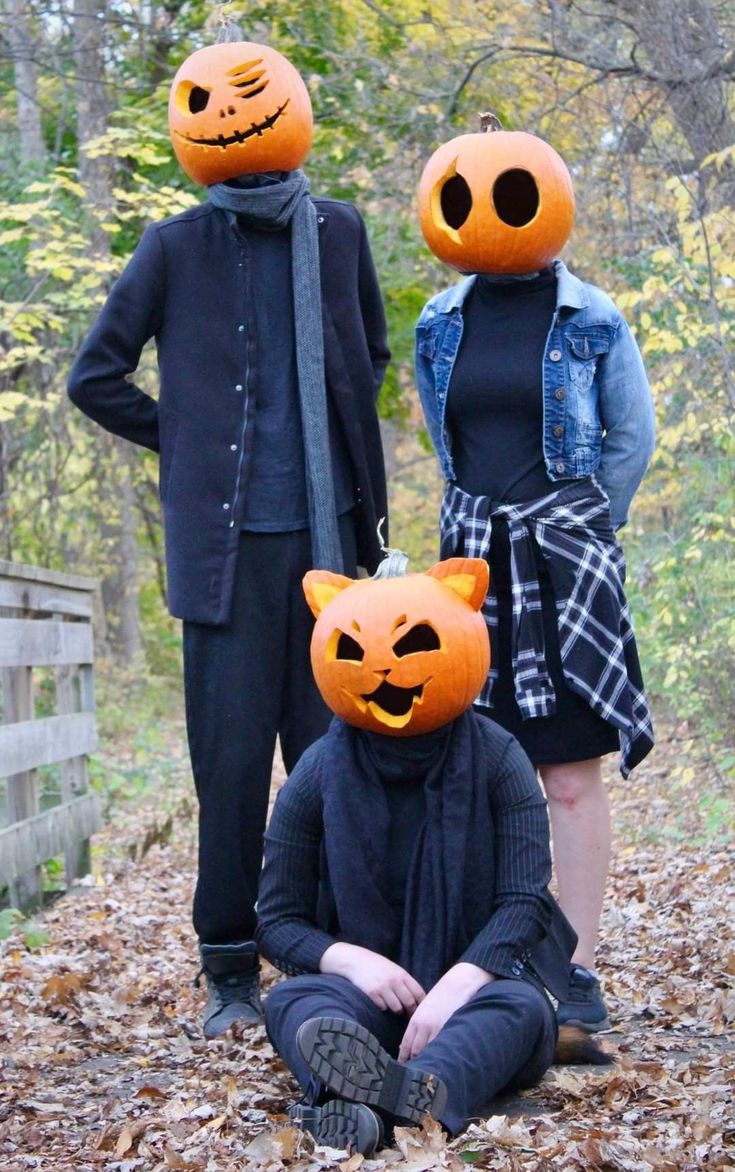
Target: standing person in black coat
[(271, 342)]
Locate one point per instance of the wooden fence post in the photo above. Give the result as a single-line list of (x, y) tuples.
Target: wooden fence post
[(45, 621)]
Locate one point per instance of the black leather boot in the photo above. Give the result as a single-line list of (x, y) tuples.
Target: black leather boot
[(232, 973)]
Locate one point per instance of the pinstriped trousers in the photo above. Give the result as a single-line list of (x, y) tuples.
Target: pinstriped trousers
[(503, 1039)]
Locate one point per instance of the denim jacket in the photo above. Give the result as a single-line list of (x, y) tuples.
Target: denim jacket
[(598, 409)]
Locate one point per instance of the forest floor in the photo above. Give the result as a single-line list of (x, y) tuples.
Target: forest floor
[(103, 1065)]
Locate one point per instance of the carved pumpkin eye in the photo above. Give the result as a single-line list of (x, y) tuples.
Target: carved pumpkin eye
[(515, 196), (197, 100), (422, 637), (456, 201), (348, 648)]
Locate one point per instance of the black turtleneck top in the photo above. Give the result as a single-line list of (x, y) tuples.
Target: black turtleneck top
[(495, 400)]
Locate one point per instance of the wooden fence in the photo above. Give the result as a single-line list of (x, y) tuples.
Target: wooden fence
[(46, 663)]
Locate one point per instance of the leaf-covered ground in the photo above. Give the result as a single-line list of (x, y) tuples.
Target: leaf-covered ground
[(103, 1065)]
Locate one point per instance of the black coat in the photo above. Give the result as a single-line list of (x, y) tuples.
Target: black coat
[(185, 285)]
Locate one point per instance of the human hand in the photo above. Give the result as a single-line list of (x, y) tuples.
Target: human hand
[(386, 983), (452, 991)]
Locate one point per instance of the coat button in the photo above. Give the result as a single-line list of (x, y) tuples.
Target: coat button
[(560, 393), (558, 430), (320, 219), (233, 447), (238, 386), (555, 355), (241, 329), (560, 468), (225, 506)]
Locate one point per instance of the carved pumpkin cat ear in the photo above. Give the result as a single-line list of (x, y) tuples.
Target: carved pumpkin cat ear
[(467, 577), (321, 586)]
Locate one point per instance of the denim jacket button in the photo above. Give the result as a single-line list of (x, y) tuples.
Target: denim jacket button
[(560, 468), (555, 355), (558, 431), (560, 393)]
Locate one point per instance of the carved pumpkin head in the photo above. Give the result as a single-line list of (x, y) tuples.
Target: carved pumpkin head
[(238, 108), (497, 202), (400, 655)]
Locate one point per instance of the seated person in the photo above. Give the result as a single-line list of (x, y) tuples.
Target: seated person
[(405, 875)]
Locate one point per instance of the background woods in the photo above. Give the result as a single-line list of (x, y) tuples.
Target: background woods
[(637, 95), (104, 1065)]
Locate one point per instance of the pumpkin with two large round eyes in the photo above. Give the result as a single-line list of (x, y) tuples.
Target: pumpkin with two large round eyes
[(496, 202), (401, 655), (238, 108)]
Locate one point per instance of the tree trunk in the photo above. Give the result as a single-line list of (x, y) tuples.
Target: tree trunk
[(92, 112), (21, 42), (686, 50), (118, 529), (120, 584)]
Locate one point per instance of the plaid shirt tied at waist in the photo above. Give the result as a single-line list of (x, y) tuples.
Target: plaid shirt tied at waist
[(598, 651)]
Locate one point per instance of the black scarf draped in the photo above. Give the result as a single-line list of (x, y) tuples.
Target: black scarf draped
[(272, 204), (450, 887)]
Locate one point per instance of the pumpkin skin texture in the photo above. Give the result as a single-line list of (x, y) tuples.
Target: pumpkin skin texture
[(496, 202), (238, 108), (401, 655)]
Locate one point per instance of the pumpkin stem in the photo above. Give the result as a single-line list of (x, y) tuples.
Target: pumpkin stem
[(489, 121), (395, 562)]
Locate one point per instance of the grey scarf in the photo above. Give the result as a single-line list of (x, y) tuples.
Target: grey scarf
[(274, 206)]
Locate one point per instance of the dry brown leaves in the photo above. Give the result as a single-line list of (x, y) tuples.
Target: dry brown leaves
[(103, 1066)]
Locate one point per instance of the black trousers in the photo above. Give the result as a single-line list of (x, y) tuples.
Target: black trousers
[(245, 684), (503, 1039)]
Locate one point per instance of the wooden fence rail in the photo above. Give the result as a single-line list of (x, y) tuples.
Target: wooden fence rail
[(45, 623)]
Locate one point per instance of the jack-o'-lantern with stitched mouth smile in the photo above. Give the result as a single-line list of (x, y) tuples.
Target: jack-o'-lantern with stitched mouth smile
[(238, 108), (400, 655)]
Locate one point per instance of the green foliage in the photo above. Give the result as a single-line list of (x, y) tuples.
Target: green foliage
[(388, 82), (683, 549), (136, 712), (13, 921)]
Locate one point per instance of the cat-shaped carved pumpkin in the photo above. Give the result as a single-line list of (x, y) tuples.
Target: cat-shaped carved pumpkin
[(400, 655)]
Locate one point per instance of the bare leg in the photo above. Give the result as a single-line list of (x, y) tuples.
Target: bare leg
[(580, 825)]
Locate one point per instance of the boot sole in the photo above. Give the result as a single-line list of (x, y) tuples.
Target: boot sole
[(352, 1127), (353, 1064)]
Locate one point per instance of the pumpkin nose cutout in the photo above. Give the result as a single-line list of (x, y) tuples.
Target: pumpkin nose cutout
[(456, 201), (515, 197)]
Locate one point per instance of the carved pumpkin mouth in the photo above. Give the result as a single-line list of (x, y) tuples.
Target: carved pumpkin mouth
[(226, 140), (390, 704)]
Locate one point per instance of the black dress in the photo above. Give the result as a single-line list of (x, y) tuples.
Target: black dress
[(495, 420)]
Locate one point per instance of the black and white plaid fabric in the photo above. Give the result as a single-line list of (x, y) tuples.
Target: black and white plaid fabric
[(598, 651)]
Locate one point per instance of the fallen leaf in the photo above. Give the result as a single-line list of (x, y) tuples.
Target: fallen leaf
[(174, 1160)]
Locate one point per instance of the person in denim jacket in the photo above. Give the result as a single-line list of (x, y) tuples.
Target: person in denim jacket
[(537, 403), (598, 411)]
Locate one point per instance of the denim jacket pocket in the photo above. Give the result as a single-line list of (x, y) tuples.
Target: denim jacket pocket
[(426, 341), (585, 352)]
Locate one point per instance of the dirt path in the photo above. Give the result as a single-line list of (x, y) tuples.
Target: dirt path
[(102, 1065)]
